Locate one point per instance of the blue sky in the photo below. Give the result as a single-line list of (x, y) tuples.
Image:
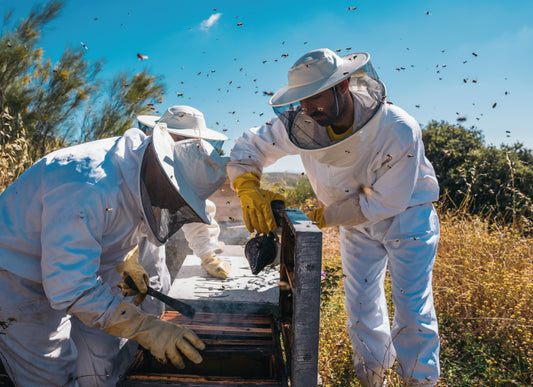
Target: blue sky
[(221, 57)]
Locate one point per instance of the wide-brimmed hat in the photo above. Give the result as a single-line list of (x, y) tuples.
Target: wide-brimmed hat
[(194, 168), (183, 120), (317, 71)]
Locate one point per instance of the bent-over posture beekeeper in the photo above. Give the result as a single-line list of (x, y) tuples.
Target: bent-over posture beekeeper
[(67, 226), (185, 122), (365, 161)]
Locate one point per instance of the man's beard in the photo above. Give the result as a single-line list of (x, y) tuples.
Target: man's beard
[(323, 118)]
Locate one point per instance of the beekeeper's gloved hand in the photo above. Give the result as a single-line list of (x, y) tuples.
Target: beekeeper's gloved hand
[(345, 212), (164, 340), (131, 268), (215, 266), (256, 203), (317, 216)]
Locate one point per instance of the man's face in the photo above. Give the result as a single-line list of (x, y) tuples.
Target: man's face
[(321, 107)]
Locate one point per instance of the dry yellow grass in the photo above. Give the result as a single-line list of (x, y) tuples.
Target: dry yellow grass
[(483, 285)]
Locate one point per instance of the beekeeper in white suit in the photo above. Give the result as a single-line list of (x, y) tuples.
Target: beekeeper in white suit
[(365, 160), (186, 122), (67, 225)]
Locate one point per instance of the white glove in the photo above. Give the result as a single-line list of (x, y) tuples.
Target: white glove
[(215, 266)]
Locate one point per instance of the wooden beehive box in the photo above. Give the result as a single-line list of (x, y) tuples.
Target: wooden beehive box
[(275, 349)]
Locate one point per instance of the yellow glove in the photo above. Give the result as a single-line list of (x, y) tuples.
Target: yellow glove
[(215, 266), (163, 339), (131, 268), (317, 216), (256, 203)]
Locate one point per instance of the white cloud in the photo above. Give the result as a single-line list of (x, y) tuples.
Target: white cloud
[(206, 24)]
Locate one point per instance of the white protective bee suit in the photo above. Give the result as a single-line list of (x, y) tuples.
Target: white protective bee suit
[(186, 122), (385, 156), (67, 223)]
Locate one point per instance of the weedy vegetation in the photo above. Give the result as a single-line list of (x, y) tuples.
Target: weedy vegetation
[(483, 290)]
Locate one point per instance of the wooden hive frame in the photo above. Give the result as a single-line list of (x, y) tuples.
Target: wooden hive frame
[(252, 349)]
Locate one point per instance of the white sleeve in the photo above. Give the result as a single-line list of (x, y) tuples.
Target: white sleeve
[(396, 171), (70, 259), (258, 148), (203, 238)]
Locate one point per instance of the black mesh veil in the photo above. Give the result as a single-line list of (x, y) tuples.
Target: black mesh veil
[(165, 209)]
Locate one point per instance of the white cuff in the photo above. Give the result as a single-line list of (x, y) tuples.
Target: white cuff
[(345, 212)]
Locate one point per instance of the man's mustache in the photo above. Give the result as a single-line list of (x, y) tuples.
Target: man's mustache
[(317, 113)]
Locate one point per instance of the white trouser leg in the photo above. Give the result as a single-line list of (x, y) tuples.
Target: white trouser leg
[(102, 358), (36, 348), (364, 263), (415, 329)]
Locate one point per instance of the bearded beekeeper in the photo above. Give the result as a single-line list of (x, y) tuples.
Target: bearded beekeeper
[(185, 122), (365, 161), (67, 226)]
